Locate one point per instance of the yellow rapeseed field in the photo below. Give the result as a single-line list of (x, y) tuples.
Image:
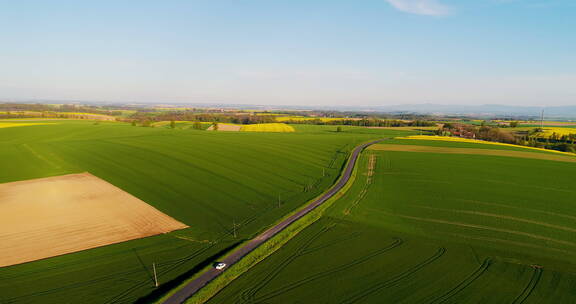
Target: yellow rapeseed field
[(559, 131), (12, 124), (269, 127), (306, 118), (466, 140)]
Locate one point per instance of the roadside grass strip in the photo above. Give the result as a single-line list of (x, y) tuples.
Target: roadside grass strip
[(475, 141), (212, 181), (448, 150), (264, 250), (261, 252)]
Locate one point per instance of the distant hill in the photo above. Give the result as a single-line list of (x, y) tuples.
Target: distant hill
[(565, 112), (487, 110)]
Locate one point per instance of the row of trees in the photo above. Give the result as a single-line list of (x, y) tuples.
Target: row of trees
[(364, 122), (149, 123), (247, 118), (533, 138), (47, 109), (204, 117)]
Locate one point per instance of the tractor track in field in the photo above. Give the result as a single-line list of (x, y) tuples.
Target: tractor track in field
[(97, 280), (248, 295), (465, 283), (484, 227), (527, 291), (168, 266), (394, 280), (499, 216), (366, 186), (191, 288), (172, 265), (320, 275), (351, 236)]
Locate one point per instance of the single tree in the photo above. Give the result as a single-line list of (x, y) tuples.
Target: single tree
[(339, 129), (172, 124), (215, 128)]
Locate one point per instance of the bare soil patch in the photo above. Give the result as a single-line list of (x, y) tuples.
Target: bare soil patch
[(447, 150), (52, 216), (225, 127)]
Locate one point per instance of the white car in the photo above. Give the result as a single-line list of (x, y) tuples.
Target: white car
[(220, 266)]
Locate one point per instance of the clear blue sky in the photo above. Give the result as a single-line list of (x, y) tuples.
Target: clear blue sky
[(298, 52)]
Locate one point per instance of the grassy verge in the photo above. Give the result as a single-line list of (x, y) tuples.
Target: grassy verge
[(263, 251), (266, 249)]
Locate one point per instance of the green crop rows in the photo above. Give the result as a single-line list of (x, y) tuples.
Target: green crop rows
[(431, 228), (208, 180)]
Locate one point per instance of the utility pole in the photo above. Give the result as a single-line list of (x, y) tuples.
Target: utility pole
[(323, 172), (234, 227), (542, 120), (155, 276)]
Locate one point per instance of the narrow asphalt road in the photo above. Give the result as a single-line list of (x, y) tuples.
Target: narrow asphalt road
[(191, 288)]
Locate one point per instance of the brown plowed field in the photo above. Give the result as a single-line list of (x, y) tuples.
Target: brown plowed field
[(52, 216)]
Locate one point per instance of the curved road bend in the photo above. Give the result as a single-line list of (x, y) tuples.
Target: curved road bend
[(191, 288)]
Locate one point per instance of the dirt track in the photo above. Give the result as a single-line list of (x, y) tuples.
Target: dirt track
[(191, 288), (52, 216)]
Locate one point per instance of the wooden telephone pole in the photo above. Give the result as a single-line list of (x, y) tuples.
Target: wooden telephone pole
[(155, 276)]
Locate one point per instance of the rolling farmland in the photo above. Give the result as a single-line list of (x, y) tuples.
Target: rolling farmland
[(47, 217), (209, 181), (426, 227)]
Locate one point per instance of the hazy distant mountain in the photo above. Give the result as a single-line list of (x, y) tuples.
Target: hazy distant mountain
[(481, 110), (488, 110)]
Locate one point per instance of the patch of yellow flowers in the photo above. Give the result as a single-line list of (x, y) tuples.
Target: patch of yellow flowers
[(17, 124), (268, 127), (475, 141)]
